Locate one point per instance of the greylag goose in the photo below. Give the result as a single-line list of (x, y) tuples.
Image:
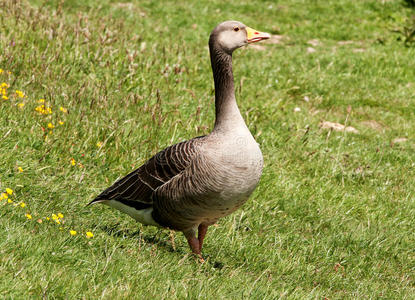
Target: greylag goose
[(190, 185)]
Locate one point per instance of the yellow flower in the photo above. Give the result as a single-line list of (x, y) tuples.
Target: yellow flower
[(4, 195), (89, 235), (99, 144), (5, 97), (20, 105), (4, 85), (9, 201), (20, 169), (43, 110), (63, 109), (22, 205), (50, 125), (28, 216), (9, 191), (60, 216), (54, 217), (72, 232), (1, 71), (61, 123), (19, 94), (73, 162), (41, 101), (57, 221), (47, 219)]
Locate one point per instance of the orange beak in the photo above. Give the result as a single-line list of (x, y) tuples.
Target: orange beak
[(253, 35)]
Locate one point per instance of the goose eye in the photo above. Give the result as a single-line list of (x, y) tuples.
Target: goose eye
[(236, 28)]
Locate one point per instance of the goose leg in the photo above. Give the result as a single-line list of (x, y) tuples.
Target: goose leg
[(201, 235), (193, 243)]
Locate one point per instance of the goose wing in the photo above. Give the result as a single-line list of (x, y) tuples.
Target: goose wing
[(136, 188)]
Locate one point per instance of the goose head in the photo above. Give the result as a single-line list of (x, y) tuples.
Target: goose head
[(231, 35)]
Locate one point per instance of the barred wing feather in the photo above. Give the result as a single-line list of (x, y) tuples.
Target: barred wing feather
[(136, 189)]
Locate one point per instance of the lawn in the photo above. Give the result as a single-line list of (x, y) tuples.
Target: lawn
[(91, 89)]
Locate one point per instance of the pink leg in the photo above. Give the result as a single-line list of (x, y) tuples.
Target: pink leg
[(202, 233), (193, 243)]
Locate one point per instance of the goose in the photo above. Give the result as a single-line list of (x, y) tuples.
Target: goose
[(191, 185)]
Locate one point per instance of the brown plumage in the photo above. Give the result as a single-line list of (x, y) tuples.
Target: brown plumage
[(190, 185)]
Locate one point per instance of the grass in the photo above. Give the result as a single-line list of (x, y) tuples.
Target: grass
[(333, 215)]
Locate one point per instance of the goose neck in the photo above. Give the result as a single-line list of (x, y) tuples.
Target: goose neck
[(226, 108)]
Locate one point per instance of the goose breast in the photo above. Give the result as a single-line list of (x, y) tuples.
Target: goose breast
[(219, 181), (237, 161)]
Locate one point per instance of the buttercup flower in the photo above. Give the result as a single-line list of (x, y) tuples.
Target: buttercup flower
[(72, 232), (19, 94), (9, 191), (50, 125), (89, 234), (63, 109), (20, 169), (43, 110), (73, 162), (28, 216)]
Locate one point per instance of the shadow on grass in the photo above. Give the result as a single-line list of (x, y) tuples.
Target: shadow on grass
[(115, 231)]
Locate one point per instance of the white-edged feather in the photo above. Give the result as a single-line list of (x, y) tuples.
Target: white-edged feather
[(143, 215)]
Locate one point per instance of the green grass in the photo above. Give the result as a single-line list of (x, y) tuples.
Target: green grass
[(333, 215)]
